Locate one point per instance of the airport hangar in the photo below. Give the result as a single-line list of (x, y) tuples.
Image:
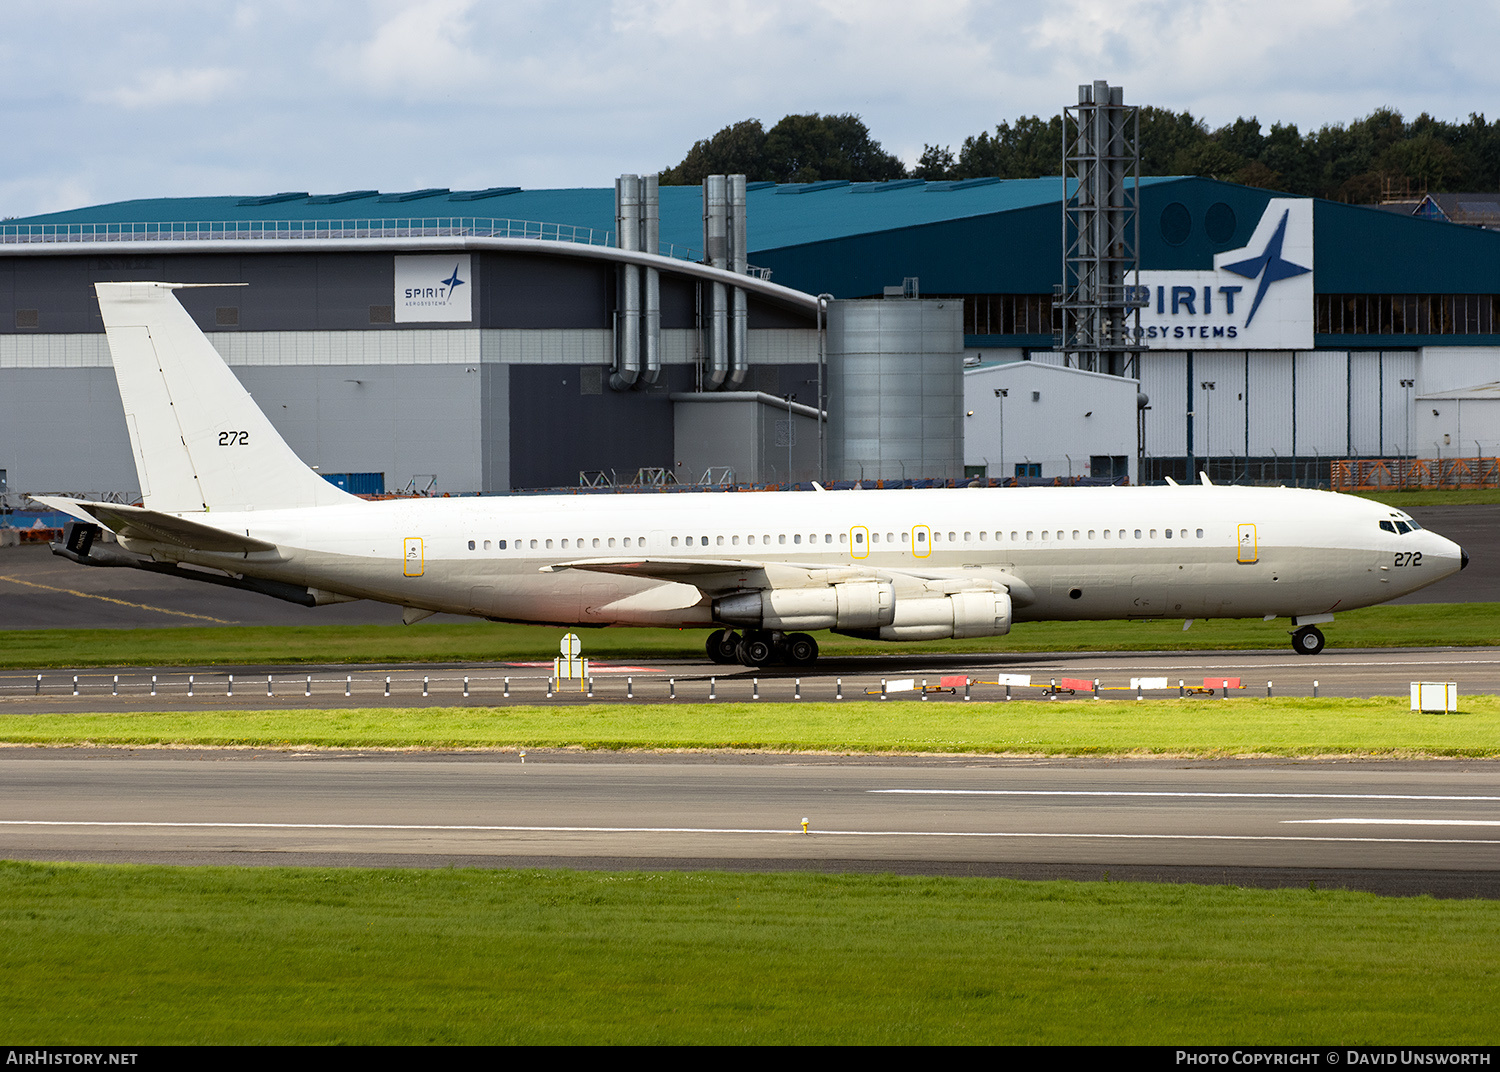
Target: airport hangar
[(573, 355)]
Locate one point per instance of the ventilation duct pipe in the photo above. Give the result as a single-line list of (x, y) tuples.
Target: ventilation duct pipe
[(651, 283), (628, 296), (716, 245), (739, 263)]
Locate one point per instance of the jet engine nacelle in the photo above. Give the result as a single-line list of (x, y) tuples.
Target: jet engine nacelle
[(956, 616), (854, 605)]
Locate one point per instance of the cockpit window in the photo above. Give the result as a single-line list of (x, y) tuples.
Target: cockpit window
[(1402, 527), (1388, 526), (1414, 526)]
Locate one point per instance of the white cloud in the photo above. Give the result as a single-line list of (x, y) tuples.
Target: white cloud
[(420, 49), (162, 88), (403, 93)]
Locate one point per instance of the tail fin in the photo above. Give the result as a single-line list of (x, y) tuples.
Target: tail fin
[(200, 441)]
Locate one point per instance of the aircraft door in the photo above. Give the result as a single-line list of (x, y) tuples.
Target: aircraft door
[(1249, 547), (921, 541), (412, 556), (859, 542)]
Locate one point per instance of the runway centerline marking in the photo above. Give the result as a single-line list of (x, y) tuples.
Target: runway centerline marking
[(1173, 793), (1003, 834), (1401, 822)]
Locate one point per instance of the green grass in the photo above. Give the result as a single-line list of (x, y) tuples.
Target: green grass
[(133, 955), (1433, 497), (1206, 727), (1419, 625)]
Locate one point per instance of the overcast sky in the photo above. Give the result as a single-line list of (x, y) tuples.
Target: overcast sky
[(106, 101)]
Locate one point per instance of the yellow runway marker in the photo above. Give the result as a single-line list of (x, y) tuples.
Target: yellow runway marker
[(111, 599)]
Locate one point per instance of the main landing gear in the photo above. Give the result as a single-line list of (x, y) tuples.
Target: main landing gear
[(1308, 640), (760, 647)]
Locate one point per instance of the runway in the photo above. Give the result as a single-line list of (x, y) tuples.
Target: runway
[(974, 678), (1408, 827), (1398, 828)]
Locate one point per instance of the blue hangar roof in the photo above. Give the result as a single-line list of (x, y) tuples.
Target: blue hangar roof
[(980, 236)]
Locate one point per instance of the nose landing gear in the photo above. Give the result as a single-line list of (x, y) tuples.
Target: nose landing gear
[(1308, 640)]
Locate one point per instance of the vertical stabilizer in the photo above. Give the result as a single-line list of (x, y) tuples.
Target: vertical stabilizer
[(200, 441)]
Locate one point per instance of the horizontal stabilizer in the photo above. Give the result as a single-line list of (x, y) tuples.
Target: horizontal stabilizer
[(136, 523)]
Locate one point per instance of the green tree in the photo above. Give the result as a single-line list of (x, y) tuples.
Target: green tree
[(1425, 161), (813, 148), (1028, 150), (738, 149), (1209, 159), (935, 163), (1165, 135)]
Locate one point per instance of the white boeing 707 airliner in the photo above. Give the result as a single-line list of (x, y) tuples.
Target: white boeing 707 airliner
[(223, 494)]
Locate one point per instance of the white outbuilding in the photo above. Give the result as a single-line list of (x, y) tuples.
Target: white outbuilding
[(1029, 419)]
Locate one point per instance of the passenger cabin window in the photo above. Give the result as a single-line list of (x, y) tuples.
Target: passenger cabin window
[(471, 545)]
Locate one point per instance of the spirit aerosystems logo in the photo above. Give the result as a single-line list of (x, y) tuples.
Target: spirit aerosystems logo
[(1257, 297), (434, 288)]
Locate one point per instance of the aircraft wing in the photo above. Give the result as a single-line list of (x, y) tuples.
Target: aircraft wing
[(712, 576), (716, 574), (134, 522)]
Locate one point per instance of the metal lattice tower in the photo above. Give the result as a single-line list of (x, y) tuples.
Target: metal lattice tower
[(1098, 298)]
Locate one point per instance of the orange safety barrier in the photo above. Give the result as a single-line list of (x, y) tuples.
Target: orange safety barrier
[(1386, 474)]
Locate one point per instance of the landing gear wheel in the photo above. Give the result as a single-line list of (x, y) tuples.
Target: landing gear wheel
[(801, 649), (755, 650), (1308, 640), (723, 646)]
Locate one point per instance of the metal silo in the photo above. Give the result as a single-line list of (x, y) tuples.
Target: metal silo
[(895, 389)]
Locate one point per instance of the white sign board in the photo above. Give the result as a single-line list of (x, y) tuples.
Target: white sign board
[(432, 288), (1258, 297)]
